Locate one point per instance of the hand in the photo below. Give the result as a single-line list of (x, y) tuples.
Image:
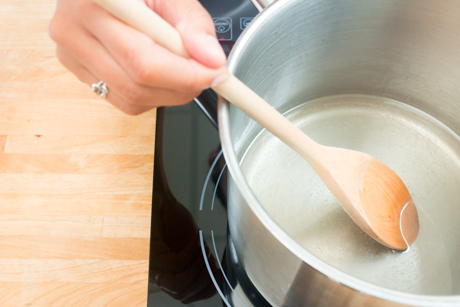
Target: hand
[(140, 74)]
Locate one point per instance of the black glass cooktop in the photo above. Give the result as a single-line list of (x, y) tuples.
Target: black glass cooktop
[(189, 246)]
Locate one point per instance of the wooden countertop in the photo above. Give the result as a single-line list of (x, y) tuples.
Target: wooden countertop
[(75, 179)]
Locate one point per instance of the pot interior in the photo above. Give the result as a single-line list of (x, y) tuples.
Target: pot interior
[(420, 149), (379, 77)]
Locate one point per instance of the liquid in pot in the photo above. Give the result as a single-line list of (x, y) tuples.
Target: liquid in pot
[(421, 150)]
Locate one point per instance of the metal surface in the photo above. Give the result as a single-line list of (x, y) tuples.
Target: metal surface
[(240, 292), (261, 4), (298, 51)]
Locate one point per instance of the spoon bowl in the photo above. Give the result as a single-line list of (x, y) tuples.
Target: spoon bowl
[(372, 194)]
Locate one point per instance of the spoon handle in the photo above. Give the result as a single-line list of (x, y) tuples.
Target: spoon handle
[(138, 15), (241, 96)]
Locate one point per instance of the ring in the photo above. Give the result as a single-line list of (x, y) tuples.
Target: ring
[(100, 88)]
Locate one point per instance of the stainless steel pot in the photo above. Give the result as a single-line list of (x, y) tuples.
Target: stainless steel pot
[(296, 51)]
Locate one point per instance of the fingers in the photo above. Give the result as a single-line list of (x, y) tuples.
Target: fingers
[(196, 28), (139, 73), (146, 62), (87, 77), (130, 96)]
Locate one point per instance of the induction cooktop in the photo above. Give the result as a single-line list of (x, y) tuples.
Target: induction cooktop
[(192, 260)]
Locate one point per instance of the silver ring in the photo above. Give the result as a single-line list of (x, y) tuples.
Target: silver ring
[(100, 88)]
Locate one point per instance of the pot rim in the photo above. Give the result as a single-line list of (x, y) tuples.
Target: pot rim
[(302, 253)]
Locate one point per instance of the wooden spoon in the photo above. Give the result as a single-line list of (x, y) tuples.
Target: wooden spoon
[(370, 192)]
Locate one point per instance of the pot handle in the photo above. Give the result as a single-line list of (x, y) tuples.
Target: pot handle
[(261, 4)]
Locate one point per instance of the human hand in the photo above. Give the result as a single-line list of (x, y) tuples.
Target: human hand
[(140, 74)]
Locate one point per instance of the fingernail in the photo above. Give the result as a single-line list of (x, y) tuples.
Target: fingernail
[(219, 80), (214, 48)]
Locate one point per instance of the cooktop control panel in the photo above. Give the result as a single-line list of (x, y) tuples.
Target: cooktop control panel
[(230, 18)]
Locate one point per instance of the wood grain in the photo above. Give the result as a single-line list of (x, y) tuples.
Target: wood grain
[(75, 164), (76, 179), (81, 144), (126, 226), (58, 294), (29, 117), (74, 184), (49, 225), (73, 270), (57, 247), (3, 139), (68, 204)]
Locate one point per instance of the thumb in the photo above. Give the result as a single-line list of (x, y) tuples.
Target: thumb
[(196, 28), (201, 43)]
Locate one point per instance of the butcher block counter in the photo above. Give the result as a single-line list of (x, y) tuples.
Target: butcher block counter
[(76, 178)]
